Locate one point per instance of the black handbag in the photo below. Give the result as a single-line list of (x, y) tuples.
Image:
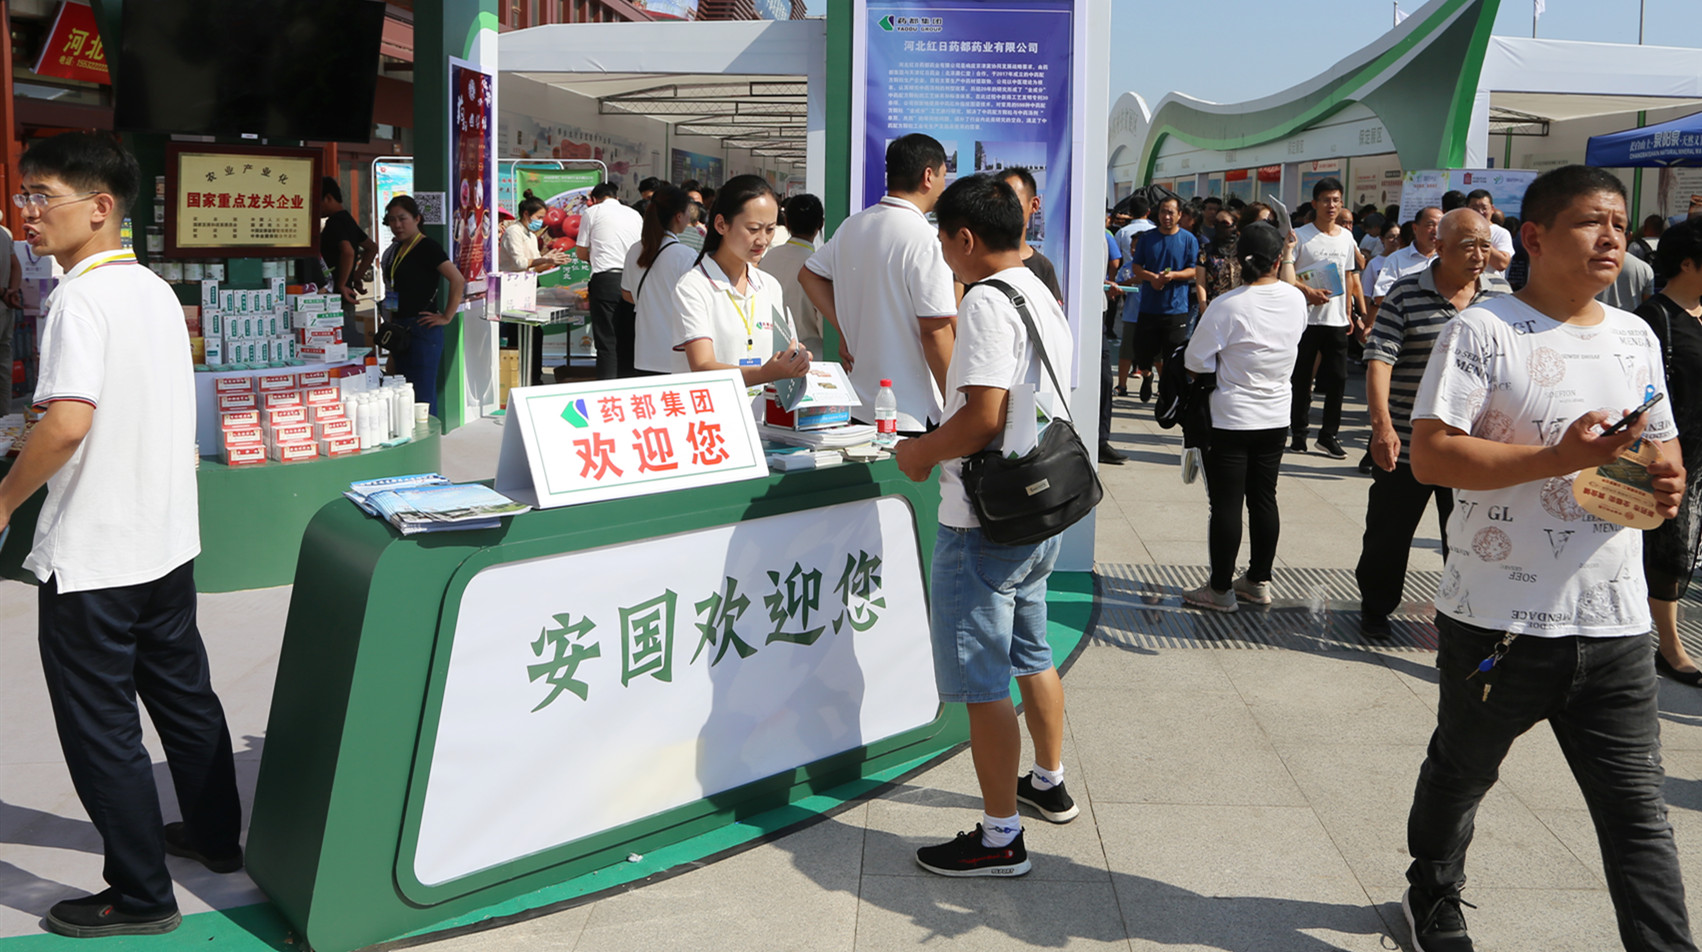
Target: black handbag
[(1033, 497), (393, 336)]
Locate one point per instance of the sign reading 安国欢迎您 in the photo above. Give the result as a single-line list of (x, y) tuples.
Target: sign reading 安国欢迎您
[(585, 442), (225, 198), (689, 664)]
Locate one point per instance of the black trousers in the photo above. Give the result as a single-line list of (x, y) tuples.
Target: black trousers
[(1107, 358), (1393, 509), (613, 324), (1331, 344), (1241, 467), (101, 650), (1601, 699)]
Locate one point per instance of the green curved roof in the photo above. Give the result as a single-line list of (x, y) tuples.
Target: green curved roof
[(1420, 79)]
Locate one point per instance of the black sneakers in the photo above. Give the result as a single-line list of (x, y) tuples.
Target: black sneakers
[(1375, 626), (1436, 921), (1332, 447), (92, 917), (966, 855), (1146, 386), (177, 844), (1054, 804)]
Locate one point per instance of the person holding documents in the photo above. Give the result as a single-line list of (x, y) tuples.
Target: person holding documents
[(1325, 270), (727, 310)]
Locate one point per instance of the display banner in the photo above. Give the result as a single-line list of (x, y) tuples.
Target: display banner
[(995, 82), (241, 199), (607, 439), (565, 192), (390, 178), (1676, 190), (1311, 173), (472, 162), (709, 170), (593, 689), (1424, 188), (73, 48)]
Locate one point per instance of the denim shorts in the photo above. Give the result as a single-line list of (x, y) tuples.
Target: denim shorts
[(988, 616)]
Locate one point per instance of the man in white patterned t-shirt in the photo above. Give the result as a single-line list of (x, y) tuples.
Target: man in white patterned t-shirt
[(1542, 613)]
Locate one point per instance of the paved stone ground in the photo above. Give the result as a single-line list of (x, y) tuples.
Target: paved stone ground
[(1235, 796)]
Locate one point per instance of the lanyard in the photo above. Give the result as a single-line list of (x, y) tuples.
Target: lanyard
[(747, 316), (107, 258), (396, 262)]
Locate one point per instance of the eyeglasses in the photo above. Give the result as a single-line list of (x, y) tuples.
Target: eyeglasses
[(41, 200)]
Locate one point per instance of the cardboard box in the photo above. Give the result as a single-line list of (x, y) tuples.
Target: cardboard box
[(212, 323), (304, 303), (214, 355), (227, 301), (281, 398), (233, 383), (508, 373), (339, 446), (239, 419), (243, 436), (322, 395), (342, 426), (273, 383), (192, 319), (312, 379), (209, 294), (237, 401), (295, 452), (322, 353), (245, 455), (291, 433), (284, 416)]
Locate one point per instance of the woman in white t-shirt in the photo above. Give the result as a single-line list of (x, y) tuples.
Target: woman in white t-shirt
[(654, 265), (726, 309), (1248, 338)]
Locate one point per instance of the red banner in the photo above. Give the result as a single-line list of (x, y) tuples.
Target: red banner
[(73, 48), (1270, 173)]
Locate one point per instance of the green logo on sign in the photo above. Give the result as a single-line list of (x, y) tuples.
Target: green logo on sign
[(886, 23), (574, 413)]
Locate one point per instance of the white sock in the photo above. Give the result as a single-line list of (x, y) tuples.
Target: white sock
[(1047, 779), (999, 831)]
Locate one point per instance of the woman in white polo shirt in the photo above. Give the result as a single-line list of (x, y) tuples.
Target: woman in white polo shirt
[(725, 307), (653, 267)]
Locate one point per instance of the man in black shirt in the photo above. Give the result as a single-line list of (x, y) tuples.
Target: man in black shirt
[(347, 251), (1027, 191)]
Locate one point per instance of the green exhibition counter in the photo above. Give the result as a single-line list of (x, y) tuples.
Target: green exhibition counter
[(463, 719), (252, 517)]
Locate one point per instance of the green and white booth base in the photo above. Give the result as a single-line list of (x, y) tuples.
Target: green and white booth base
[(475, 724)]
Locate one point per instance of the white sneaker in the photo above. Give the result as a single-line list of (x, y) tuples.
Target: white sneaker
[(1207, 597), (1255, 593)]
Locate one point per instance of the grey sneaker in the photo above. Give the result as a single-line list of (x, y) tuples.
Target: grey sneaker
[(1207, 597), (1254, 593)]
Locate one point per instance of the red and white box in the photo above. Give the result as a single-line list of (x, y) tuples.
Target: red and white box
[(320, 396), (325, 412), (244, 400), (330, 429), (322, 335), (271, 383), (281, 398), (239, 419), (284, 416), (311, 379), (323, 353), (292, 433), (229, 384), (295, 452), (339, 445), (245, 455), (243, 436)]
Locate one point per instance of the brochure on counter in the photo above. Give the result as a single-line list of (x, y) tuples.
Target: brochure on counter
[(430, 502)]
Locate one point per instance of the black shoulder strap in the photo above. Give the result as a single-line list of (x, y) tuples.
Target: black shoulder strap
[(1021, 304), (646, 277)]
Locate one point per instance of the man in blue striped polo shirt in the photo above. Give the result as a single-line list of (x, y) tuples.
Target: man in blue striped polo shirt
[(1412, 314)]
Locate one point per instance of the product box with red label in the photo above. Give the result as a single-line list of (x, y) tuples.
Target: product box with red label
[(281, 398), (238, 419), (320, 337), (335, 428), (226, 383), (323, 353), (270, 383), (285, 416), (325, 412), (312, 379), (339, 445), (295, 452), (244, 436), (292, 433), (321, 396), (245, 455), (237, 401)]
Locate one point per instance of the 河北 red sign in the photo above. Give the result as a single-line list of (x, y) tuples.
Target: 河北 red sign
[(73, 48)]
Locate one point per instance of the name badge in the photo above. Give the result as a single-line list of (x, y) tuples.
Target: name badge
[(390, 302), (751, 362)]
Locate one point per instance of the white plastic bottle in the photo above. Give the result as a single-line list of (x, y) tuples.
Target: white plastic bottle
[(886, 416)]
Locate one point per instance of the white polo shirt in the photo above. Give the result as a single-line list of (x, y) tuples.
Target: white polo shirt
[(609, 228), (740, 326), (123, 510), (1408, 260), (888, 274), (652, 290)]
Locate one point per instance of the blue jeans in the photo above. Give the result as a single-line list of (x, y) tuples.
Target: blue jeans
[(1599, 697), (988, 614), (419, 362)]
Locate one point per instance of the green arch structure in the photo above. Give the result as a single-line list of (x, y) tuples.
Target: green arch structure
[(1420, 80)]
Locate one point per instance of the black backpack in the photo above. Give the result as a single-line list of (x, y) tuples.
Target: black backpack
[(1184, 401)]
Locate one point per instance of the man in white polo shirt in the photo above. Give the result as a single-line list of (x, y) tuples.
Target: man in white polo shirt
[(115, 544), (1500, 239), (607, 230), (882, 283)]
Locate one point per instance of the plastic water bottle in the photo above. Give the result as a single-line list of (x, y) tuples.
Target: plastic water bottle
[(886, 416)]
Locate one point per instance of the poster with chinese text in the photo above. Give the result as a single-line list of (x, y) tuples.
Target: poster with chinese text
[(226, 199), (472, 165), (564, 193)]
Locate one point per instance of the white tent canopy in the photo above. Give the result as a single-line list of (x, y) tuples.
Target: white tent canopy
[(756, 85)]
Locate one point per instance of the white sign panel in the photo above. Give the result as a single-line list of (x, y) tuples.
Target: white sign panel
[(608, 439), (596, 688), (1424, 189)]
